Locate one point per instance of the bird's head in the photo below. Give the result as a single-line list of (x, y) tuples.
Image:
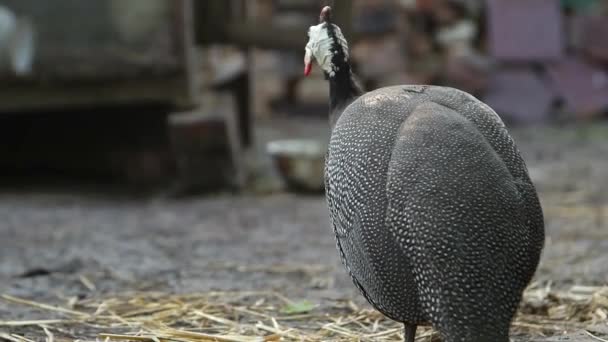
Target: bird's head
[(326, 45)]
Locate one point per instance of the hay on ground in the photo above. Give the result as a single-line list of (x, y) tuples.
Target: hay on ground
[(269, 316)]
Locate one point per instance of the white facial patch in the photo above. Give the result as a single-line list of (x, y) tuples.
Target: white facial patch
[(319, 46)]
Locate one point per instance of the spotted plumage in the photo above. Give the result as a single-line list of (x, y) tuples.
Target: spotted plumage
[(435, 216)]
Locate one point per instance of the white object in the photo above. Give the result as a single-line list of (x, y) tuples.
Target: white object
[(17, 43), (299, 148)]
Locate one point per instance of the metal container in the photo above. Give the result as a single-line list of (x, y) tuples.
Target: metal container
[(300, 163)]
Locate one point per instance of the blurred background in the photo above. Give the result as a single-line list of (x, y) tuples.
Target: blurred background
[(175, 145), (180, 93)]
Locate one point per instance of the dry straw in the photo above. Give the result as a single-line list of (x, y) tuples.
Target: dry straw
[(269, 316)]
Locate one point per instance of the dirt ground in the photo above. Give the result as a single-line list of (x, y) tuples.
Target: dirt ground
[(58, 244)]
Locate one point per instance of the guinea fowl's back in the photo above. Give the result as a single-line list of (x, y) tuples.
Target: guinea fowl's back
[(436, 218)]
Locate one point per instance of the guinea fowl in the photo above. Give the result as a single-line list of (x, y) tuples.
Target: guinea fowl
[(435, 216)]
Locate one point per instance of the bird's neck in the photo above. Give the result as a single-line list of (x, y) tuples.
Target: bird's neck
[(343, 90)]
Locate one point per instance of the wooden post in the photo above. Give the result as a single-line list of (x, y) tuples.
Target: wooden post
[(343, 17), (212, 19)]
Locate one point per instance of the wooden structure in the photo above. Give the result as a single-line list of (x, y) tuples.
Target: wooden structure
[(118, 54), (105, 52)]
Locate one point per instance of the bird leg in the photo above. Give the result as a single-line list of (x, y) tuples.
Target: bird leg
[(409, 332)]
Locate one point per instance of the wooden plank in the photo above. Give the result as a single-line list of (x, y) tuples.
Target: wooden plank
[(343, 16), (210, 23), (266, 35), (47, 97)]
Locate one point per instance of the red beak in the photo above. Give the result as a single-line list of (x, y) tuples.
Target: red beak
[(307, 69)]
